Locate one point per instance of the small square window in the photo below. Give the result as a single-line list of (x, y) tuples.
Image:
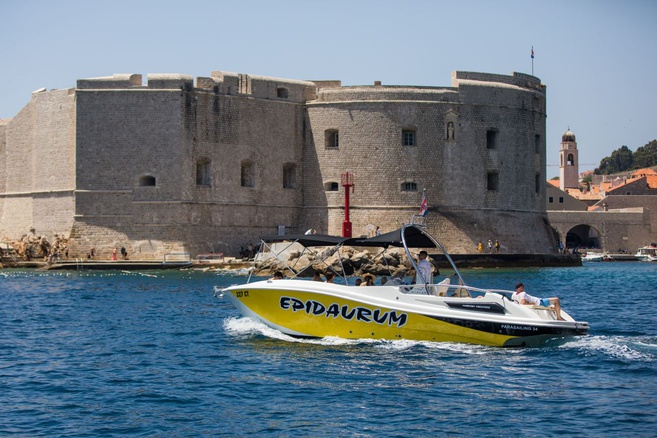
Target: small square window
[(408, 137), (551, 199), (560, 199), (331, 138), (493, 181)]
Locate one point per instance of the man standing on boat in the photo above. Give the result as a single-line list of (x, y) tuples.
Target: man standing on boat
[(424, 268)]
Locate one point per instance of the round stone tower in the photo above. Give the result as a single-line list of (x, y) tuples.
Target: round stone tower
[(477, 147)]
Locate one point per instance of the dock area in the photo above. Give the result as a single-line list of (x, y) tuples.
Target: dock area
[(129, 265)]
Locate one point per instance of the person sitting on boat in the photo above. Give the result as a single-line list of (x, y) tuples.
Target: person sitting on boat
[(523, 297), (278, 275), (316, 276), (398, 278), (368, 280), (330, 277), (425, 269)]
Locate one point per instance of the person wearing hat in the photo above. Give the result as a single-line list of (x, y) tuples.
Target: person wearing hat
[(368, 280), (523, 297)]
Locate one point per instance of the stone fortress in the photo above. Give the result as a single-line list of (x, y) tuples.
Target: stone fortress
[(210, 165)]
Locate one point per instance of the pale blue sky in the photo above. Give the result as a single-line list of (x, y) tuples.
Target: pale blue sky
[(596, 57)]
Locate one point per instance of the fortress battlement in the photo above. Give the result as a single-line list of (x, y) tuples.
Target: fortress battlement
[(521, 80), (379, 92)]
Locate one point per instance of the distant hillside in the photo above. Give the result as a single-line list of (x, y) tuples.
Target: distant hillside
[(623, 159)]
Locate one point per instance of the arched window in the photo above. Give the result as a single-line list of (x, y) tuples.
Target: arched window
[(146, 181), (537, 144), (409, 187), (331, 186), (571, 160), (204, 172), (247, 174), (289, 176)]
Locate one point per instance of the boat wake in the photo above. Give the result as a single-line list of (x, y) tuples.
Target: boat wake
[(244, 327), (639, 348)]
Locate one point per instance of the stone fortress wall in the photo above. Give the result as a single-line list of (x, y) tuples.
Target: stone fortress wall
[(451, 158), (170, 165)]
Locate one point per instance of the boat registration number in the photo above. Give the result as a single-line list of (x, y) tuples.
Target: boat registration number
[(242, 294)]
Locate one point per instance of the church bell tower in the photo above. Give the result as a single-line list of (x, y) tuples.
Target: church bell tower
[(568, 162)]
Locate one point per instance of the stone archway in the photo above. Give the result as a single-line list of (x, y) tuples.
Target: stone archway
[(583, 236)]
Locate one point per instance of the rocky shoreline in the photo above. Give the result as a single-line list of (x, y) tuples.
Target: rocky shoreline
[(33, 251)]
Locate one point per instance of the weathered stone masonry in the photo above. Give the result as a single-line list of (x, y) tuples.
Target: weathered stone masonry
[(173, 166)]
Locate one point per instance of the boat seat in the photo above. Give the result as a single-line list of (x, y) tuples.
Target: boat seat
[(440, 289), (461, 293), (533, 306)]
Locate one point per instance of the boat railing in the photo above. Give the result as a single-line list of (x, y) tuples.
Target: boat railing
[(418, 220), (451, 290)]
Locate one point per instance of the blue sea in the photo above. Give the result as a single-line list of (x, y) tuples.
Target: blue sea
[(155, 353)]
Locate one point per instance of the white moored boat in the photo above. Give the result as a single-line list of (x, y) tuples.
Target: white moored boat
[(449, 311), (593, 257), (647, 253)]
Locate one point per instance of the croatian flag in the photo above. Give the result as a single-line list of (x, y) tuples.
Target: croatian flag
[(532, 53), (424, 209)]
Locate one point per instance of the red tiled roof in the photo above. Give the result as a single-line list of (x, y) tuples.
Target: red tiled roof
[(643, 172)]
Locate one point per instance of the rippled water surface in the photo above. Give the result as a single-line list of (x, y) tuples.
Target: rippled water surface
[(155, 353)]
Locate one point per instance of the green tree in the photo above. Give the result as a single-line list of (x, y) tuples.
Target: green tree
[(645, 156), (620, 161)]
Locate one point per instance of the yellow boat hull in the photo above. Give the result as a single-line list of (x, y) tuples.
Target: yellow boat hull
[(312, 314)]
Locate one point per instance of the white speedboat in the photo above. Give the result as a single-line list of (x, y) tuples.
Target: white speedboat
[(593, 257), (448, 311), (647, 253)]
